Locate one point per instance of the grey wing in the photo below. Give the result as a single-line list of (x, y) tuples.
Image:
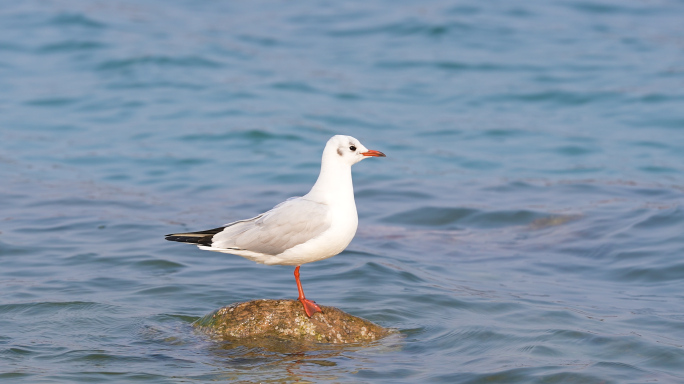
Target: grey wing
[(288, 224)]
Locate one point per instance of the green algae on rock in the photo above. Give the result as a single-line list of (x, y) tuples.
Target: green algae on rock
[(285, 320)]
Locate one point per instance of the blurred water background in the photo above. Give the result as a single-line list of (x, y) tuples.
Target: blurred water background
[(526, 227)]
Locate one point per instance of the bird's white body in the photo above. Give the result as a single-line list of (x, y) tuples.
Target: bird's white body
[(335, 239), (301, 230)]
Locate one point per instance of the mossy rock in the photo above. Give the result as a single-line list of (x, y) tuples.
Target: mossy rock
[(263, 322)]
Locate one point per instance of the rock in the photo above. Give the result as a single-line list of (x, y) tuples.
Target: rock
[(263, 322)]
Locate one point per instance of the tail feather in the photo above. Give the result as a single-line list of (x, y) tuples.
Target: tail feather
[(201, 237)]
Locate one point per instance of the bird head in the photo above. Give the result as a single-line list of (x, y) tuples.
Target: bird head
[(348, 150)]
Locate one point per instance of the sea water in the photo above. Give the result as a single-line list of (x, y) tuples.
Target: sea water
[(526, 226)]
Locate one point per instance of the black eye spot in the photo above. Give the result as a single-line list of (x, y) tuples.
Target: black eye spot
[(353, 148)]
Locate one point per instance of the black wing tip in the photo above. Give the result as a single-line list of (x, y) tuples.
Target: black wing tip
[(201, 237), (182, 239), (205, 240)]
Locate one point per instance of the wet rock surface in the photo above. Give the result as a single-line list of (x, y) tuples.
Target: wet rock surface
[(268, 321)]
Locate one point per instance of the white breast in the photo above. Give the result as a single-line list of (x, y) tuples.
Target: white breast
[(331, 242)]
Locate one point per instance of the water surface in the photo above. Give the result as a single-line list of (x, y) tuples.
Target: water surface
[(526, 227)]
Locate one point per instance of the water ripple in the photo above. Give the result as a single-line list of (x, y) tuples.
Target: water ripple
[(158, 61), (76, 19), (526, 225)]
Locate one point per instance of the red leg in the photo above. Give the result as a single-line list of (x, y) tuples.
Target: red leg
[(310, 307)]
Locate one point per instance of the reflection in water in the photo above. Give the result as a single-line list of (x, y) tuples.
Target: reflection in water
[(284, 362)]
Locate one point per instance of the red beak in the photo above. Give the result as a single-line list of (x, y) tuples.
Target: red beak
[(373, 153)]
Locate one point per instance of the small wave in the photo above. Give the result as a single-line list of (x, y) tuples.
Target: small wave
[(71, 46), (252, 135), (31, 309), (159, 266), (456, 66), (15, 375), (560, 97), (84, 202), (77, 20), (403, 28), (159, 61), (473, 218), (648, 273), (345, 121), (296, 86), (575, 150), (605, 9), (11, 47), (663, 219), (262, 41), (431, 216), (662, 170), (52, 102)]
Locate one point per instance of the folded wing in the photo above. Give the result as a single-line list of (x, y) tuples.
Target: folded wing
[(287, 225)]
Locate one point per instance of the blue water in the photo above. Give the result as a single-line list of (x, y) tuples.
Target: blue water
[(527, 225)]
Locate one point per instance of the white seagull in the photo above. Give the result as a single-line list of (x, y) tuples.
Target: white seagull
[(299, 230)]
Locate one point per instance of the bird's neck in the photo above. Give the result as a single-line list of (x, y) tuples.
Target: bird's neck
[(334, 183)]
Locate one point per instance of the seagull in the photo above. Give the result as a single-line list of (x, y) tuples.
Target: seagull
[(299, 230)]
